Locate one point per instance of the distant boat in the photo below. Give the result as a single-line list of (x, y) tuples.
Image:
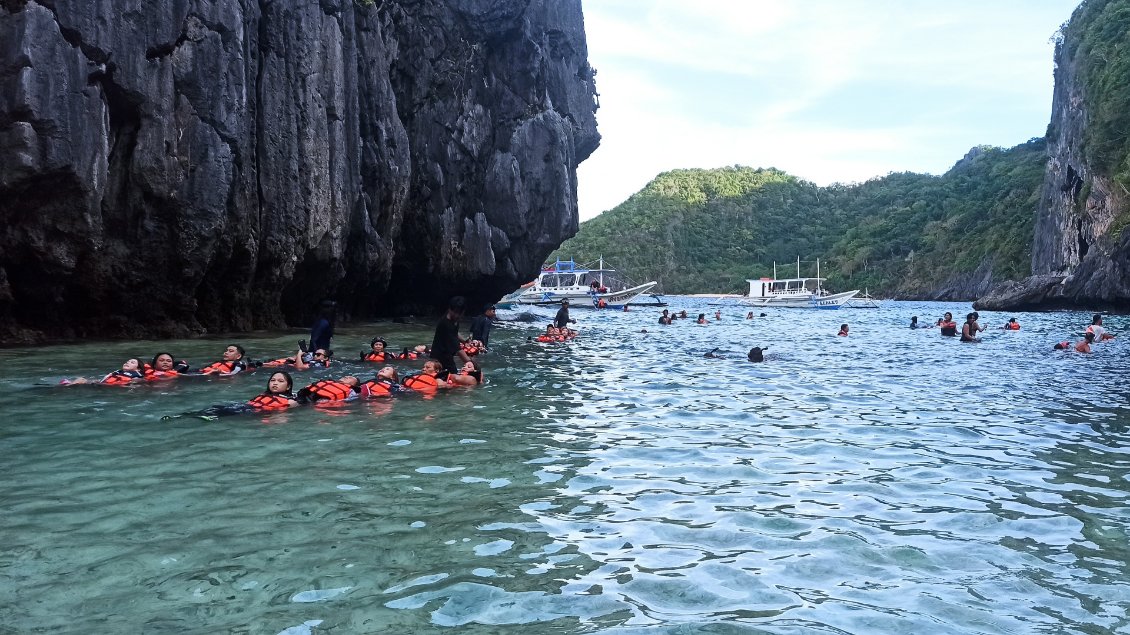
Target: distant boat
[(795, 293), (864, 301), (598, 287)]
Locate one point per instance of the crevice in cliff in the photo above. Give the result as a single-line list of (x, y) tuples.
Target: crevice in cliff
[(74, 37), (166, 49), (124, 115), (262, 36)]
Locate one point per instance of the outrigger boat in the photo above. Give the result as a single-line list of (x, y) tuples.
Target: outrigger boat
[(583, 286), (795, 293)]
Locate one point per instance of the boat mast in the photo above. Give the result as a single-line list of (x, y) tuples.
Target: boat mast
[(817, 275), (798, 265), (601, 274)]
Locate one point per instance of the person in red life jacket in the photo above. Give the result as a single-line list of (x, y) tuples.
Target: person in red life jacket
[(471, 374), (330, 390), (947, 325), (472, 347), (420, 350), (1011, 325), (385, 384), (127, 374), (843, 331), (278, 396), (163, 366), (428, 380), (551, 335), (230, 363), (298, 362), (378, 352)]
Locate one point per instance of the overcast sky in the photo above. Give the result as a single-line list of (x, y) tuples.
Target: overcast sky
[(827, 90)]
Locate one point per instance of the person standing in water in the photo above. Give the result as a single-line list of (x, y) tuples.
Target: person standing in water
[(562, 319), (1096, 327), (480, 326), (843, 330), (970, 329), (446, 344), (323, 330)]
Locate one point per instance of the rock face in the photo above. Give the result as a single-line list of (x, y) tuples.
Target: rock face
[(1080, 255), (187, 165)]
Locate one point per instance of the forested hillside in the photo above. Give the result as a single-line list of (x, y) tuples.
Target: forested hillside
[(902, 235)]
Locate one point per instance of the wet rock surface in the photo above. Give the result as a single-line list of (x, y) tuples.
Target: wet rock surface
[(210, 165)]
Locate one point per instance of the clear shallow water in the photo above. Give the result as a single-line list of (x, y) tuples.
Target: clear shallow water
[(890, 482)]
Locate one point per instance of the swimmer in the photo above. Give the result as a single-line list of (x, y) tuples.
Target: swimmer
[(1084, 346), (127, 374), (701, 319), (231, 363), (420, 350), (756, 354), (329, 390), (298, 362), (1011, 325), (843, 330), (378, 351), (749, 316), (947, 325), (718, 315), (163, 367), (429, 379), (278, 396), (970, 329), (385, 384), (713, 354), (914, 322), (1096, 327), (471, 374)]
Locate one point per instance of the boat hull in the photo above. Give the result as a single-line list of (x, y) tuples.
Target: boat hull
[(581, 297), (806, 301)]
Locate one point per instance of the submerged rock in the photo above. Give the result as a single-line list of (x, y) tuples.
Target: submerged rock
[(174, 167)]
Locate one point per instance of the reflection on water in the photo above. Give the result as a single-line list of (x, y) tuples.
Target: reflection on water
[(890, 482)]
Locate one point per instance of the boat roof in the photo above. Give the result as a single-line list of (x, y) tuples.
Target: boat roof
[(785, 279)]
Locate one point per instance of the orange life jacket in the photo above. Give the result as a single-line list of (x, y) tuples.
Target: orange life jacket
[(1013, 326), (270, 401), (421, 383), (383, 356), (329, 390), (470, 349), (278, 362), (377, 388), (547, 338), (408, 355), (222, 368), (152, 374), (120, 377)]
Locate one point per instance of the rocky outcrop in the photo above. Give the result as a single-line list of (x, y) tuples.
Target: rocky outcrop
[(172, 167), (1080, 254)]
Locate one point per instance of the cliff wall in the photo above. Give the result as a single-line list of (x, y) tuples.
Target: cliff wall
[(189, 165), (1080, 253)]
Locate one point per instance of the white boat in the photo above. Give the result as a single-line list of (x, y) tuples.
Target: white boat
[(795, 293), (582, 286)]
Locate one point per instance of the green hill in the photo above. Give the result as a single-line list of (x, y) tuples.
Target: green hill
[(905, 235)]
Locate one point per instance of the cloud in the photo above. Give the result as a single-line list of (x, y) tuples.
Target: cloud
[(830, 91)]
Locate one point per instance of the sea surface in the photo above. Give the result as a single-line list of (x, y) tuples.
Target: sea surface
[(893, 481)]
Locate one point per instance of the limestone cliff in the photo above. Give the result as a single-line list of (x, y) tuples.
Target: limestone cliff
[(186, 165), (1080, 253)]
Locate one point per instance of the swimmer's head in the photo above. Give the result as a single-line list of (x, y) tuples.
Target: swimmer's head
[(349, 380), (388, 373), (162, 361), (378, 344), (280, 382), (132, 363), (233, 353)]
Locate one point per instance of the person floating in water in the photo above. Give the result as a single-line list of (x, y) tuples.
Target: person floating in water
[(471, 374), (430, 379), (385, 384), (127, 374), (756, 354), (231, 363), (1096, 327), (298, 362), (330, 390), (1011, 325), (163, 366), (378, 351), (701, 319), (843, 331), (277, 396)]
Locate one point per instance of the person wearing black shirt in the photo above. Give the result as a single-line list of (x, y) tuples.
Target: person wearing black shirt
[(480, 326), (445, 344), (562, 319)]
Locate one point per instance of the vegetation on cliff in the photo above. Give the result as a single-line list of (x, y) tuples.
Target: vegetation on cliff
[(906, 235)]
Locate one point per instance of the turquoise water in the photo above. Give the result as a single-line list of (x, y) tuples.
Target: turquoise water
[(890, 482)]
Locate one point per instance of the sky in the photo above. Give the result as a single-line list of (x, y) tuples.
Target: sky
[(827, 90)]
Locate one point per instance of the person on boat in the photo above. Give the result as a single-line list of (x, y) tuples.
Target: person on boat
[(1096, 327), (1011, 325), (430, 379), (231, 363), (562, 319), (127, 374), (970, 329), (756, 354), (947, 325), (323, 330), (843, 331), (470, 375), (163, 366), (446, 343), (480, 326), (1084, 345), (385, 384), (701, 319), (416, 352), (279, 394), (298, 362), (665, 318), (914, 322), (378, 351), (330, 390)]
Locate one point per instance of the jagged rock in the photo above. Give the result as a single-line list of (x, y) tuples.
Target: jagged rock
[(1077, 239), (174, 167)]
